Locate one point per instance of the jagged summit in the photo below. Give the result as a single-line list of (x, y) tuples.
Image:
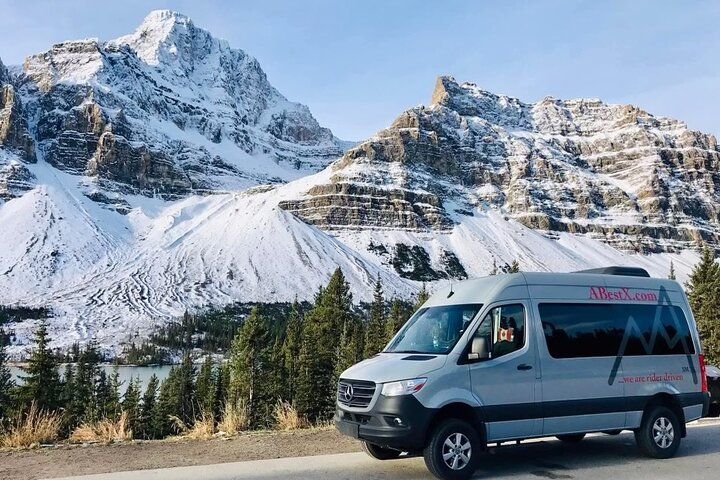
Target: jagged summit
[(165, 36)]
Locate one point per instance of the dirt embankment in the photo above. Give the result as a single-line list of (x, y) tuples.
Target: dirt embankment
[(82, 460)]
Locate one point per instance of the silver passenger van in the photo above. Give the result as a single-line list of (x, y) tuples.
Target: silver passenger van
[(512, 357)]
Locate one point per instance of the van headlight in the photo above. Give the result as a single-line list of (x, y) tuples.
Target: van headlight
[(403, 387)]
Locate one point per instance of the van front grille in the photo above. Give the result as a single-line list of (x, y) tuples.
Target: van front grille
[(355, 393)]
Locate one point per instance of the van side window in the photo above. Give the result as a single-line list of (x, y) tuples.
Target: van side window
[(504, 327), (609, 330)]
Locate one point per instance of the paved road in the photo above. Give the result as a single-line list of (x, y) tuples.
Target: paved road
[(597, 457)]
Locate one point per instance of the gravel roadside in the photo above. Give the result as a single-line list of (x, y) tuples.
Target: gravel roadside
[(81, 460)]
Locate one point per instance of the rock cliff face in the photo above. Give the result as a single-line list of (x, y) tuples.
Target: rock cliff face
[(613, 172), (168, 110)]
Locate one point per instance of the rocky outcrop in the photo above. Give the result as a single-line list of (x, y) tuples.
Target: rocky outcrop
[(169, 99), (14, 133), (612, 172)]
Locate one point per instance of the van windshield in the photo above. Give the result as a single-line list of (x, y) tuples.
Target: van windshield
[(434, 330)]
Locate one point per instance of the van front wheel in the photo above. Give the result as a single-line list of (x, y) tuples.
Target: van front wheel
[(659, 433), (453, 450)]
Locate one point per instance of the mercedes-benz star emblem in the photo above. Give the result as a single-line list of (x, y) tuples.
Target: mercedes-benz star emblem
[(348, 393)]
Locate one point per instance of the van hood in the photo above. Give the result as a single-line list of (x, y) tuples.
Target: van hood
[(391, 367)]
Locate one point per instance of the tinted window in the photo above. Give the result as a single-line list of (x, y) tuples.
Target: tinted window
[(604, 330), (504, 328)]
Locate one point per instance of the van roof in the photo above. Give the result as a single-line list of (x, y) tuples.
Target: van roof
[(495, 287)]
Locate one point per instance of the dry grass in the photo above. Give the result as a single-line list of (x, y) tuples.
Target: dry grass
[(203, 428), (32, 429), (287, 417), (235, 418), (103, 431)]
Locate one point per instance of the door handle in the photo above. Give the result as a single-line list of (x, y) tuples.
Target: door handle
[(524, 366)]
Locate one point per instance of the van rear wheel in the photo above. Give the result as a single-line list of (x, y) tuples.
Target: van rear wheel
[(571, 438), (453, 450), (380, 453), (659, 433)]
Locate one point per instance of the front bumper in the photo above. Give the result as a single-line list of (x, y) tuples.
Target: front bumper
[(380, 425)]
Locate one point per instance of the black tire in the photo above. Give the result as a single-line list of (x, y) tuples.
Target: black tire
[(460, 443), (380, 453), (571, 437), (714, 410), (659, 433)]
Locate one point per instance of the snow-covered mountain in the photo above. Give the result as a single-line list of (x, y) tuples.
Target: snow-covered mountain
[(131, 172)]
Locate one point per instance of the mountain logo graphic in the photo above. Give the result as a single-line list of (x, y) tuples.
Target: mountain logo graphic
[(658, 330)]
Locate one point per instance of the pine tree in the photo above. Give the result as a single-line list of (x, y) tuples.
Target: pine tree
[(291, 352), (352, 348), (514, 267), (399, 313), (6, 383), (671, 275), (147, 411), (112, 407), (41, 382), (319, 353), (185, 391), (166, 405), (67, 397), (422, 297), (102, 393), (703, 292), (222, 384), (205, 387), (84, 407), (250, 356), (376, 329), (494, 270), (131, 405)]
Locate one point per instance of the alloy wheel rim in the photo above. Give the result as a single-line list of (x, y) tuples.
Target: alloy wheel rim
[(456, 451), (663, 432)]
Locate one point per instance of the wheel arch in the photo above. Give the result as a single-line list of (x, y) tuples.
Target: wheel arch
[(670, 401), (461, 411)]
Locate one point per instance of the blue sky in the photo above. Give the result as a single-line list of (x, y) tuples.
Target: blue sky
[(358, 64)]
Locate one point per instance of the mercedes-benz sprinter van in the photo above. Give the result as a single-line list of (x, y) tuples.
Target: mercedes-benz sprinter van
[(524, 355)]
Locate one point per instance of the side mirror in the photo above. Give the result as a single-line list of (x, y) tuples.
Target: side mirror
[(479, 349)]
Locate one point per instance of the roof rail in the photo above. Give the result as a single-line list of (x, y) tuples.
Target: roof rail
[(623, 271)]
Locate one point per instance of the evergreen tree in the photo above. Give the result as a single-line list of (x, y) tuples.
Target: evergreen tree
[(67, 397), (250, 356), (131, 405), (291, 352), (376, 330), (351, 345), (399, 313), (112, 407), (703, 291), (205, 387), (514, 267), (671, 275), (323, 325), (83, 406), (6, 383), (222, 383), (41, 382), (494, 270), (102, 393), (422, 297), (148, 410), (166, 406), (185, 391)]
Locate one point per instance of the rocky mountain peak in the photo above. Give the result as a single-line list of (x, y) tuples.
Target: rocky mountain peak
[(166, 36)]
